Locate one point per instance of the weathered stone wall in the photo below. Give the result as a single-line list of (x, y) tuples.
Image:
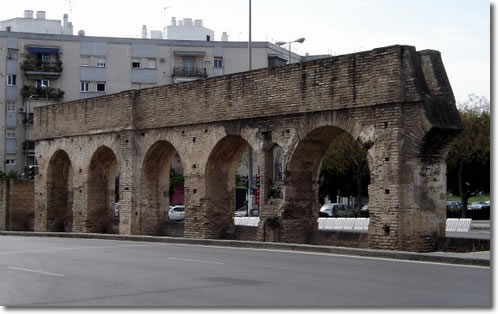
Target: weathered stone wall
[(17, 205), (21, 205), (395, 101), (4, 210), (380, 76)]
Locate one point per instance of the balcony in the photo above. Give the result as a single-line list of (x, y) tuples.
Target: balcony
[(55, 94), (34, 69), (189, 72)]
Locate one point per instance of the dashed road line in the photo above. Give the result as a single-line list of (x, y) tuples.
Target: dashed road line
[(195, 260), (35, 271)]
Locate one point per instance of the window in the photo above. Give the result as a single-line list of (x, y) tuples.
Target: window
[(151, 63), (40, 83), (11, 106), (135, 64), (12, 54), (10, 133), (10, 161), (85, 61), (188, 64), (45, 58), (101, 87), (84, 87), (218, 62), (101, 63), (11, 80)]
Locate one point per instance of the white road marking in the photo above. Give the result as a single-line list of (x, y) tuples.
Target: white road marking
[(72, 249), (36, 271), (331, 254), (194, 260)]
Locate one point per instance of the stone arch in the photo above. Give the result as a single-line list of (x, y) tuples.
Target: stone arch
[(220, 185), (155, 188), (103, 179), (59, 193), (301, 175)]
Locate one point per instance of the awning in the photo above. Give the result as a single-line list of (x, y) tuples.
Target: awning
[(50, 51), (189, 53)]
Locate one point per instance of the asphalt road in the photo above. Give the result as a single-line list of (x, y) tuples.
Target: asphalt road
[(38, 271)]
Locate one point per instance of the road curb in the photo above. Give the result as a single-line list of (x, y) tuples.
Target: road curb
[(307, 248)]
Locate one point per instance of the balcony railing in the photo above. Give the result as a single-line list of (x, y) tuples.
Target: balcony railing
[(189, 72), (41, 93), (33, 67)]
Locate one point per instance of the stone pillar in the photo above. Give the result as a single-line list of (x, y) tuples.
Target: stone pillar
[(128, 184), (195, 205), (80, 198), (384, 205), (270, 203), (41, 199)]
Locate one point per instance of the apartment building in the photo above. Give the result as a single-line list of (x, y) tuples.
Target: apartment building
[(39, 68)]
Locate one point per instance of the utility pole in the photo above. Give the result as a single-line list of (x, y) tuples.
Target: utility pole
[(250, 40), (249, 177)]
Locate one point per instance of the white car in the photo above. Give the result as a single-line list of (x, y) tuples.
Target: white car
[(241, 212), (335, 210), (176, 213)]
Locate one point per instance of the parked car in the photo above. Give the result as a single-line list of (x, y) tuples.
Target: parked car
[(453, 205), (241, 212), (364, 208), (176, 213), (477, 206), (335, 210)]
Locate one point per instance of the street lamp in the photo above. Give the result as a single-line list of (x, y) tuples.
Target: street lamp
[(249, 43), (281, 43), (26, 132)]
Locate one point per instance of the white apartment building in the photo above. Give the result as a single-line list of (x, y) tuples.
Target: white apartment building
[(39, 68)]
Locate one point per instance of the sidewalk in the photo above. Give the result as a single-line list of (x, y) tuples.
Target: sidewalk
[(474, 258)]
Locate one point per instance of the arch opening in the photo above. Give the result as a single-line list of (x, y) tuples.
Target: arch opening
[(60, 193), (227, 172), (103, 192), (162, 192), (327, 166)]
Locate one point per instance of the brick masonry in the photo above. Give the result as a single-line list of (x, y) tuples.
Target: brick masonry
[(395, 101), (17, 205)]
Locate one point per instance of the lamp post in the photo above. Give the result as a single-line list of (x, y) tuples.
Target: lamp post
[(250, 40), (250, 166), (26, 132), (281, 43)]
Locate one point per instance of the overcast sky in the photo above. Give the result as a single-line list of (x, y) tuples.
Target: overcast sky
[(459, 29)]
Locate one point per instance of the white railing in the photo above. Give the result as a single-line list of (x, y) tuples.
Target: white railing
[(350, 223), (246, 221), (357, 224), (458, 224)]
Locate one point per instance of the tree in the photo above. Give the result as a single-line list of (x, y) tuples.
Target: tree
[(468, 162), (344, 170)]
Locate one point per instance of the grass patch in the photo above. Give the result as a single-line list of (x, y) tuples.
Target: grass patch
[(478, 198)]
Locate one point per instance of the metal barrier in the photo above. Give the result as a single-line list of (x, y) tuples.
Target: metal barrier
[(361, 224), (358, 224), (246, 221)]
